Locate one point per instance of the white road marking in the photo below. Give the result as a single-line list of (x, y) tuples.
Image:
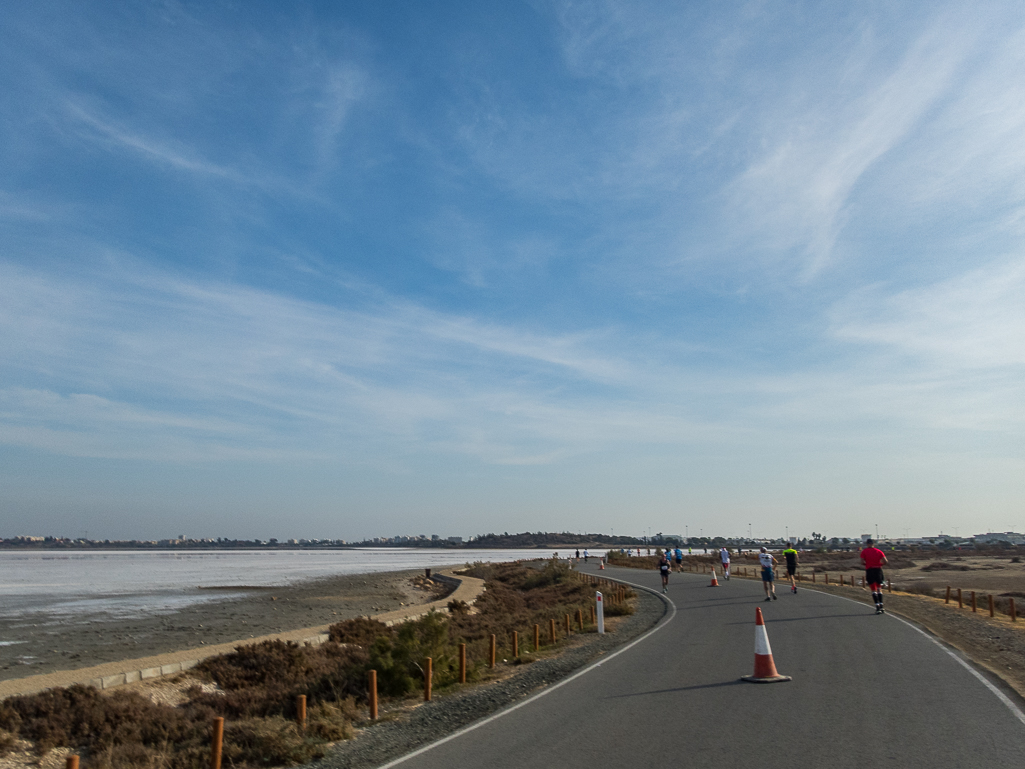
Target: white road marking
[(1015, 710)]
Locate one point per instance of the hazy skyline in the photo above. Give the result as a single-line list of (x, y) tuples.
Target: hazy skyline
[(366, 269)]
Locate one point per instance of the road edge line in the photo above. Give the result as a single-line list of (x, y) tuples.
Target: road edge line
[(547, 690), (1007, 701)]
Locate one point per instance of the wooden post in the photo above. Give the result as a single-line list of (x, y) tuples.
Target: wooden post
[(889, 586), (569, 626), (372, 694), (826, 575), (494, 650), (1014, 614), (428, 678), (990, 605), (537, 637), (516, 644), (813, 578), (300, 711), (551, 629), (842, 583), (960, 601), (71, 762), (947, 599), (216, 743), (974, 603), (580, 620), (462, 663), (593, 620)]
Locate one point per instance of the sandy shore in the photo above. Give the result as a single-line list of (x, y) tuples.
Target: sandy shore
[(261, 611)]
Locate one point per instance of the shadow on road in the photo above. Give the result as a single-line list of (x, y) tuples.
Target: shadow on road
[(676, 689)]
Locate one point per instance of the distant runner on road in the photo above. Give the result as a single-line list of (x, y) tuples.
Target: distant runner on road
[(791, 555), (585, 555), (874, 560), (663, 569), (724, 556), (767, 560), (678, 555)]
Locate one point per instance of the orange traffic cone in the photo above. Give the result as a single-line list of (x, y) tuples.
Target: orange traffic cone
[(601, 563), (715, 582), (765, 668)]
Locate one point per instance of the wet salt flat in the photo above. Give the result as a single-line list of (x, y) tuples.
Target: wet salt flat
[(59, 587)]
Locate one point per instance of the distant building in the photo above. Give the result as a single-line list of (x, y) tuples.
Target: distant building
[(993, 537), (456, 540)]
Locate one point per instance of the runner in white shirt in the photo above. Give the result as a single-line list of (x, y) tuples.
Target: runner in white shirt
[(768, 561), (724, 556)]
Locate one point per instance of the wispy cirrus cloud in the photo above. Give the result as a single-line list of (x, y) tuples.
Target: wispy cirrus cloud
[(267, 363), (794, 196), (172, 154), (969, 322)]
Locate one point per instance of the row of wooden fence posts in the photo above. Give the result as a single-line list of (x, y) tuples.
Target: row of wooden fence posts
[(217, 739), (1012, 610)]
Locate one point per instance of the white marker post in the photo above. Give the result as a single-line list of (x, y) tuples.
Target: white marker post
[(601, 613)]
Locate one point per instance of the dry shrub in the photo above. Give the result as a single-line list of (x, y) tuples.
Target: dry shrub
[(517, 598), (81, 715), (332, 721), (360, 631), (458, 607), (267, 742), (945, 566), (399, 660), (264, 679)]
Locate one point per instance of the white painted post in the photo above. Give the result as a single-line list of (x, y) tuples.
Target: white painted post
[(601, 613)]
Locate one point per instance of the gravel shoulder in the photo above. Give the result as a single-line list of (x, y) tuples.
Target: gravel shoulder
[(417, 725)]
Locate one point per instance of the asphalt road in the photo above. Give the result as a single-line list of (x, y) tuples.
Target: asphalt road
[(868, 691)]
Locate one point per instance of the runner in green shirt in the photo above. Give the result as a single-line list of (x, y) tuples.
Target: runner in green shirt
[(791, 555)]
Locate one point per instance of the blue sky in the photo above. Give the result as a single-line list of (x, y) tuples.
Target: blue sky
[(361, 269)]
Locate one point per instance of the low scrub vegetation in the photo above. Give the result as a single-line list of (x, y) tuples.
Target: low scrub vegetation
[(258, 685)]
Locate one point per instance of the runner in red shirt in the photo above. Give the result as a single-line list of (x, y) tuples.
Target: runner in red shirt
[(874, 560)]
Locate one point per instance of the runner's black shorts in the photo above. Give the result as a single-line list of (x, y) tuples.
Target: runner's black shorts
[(874, 577), (791, 570)]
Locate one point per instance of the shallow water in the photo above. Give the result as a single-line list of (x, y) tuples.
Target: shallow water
[(40, 588)]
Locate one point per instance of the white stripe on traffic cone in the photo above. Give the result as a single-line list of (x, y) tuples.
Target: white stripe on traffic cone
[(765, 668)]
